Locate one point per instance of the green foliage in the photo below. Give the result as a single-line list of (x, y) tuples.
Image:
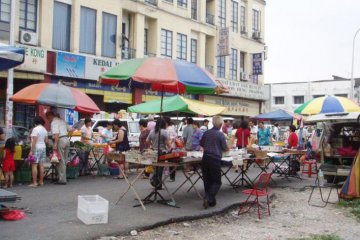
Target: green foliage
[(354, 204), (321, 237), (82, 146)]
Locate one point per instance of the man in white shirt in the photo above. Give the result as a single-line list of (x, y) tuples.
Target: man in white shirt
[(276, 133), (60, 130)]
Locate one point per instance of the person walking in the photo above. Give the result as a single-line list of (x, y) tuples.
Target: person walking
[(60, 131), (39, 139), (214, 144)]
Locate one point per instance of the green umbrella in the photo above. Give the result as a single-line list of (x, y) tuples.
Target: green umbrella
[(178, 104)]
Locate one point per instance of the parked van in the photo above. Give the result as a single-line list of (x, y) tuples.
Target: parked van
[(132, 125), (338, 137)]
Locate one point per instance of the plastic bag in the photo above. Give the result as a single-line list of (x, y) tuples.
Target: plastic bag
[(55, 157), (13, 215)]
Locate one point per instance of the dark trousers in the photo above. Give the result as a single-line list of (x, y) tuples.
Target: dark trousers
[(211, 172), (157, 177)]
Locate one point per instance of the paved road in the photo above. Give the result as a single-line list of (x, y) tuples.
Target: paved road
[(54, 207)]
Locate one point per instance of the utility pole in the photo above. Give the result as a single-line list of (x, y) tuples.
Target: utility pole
[(10, 79)]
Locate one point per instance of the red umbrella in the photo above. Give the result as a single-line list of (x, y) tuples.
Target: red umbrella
[(56, 95)]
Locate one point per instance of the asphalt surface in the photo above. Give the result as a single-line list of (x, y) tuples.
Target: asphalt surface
[(53, 207)]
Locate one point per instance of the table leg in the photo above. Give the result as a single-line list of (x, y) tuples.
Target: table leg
[(188, 178), (131, 186)]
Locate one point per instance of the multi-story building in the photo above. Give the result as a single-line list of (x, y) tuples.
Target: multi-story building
[(289, 96), (74, 41)]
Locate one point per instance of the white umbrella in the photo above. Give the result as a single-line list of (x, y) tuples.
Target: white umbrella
[(10, 56)]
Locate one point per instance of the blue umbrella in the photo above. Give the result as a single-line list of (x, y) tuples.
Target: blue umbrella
[(10, 56)]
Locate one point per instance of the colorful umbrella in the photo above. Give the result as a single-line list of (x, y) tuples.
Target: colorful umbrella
[(160, 74), (178, 104), (56, 95), (328, 104), (10, 56), (351, 187)]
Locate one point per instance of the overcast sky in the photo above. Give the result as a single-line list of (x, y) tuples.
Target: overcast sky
[(311, 39)]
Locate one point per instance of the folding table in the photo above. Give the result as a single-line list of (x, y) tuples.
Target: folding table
[(98, 153)]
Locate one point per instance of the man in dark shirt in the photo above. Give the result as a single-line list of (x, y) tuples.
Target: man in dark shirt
[(214, 144)]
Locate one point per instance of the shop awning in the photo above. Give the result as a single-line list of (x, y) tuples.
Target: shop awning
[(117, 97)]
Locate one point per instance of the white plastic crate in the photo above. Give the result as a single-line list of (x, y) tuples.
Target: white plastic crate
[(92, 209)]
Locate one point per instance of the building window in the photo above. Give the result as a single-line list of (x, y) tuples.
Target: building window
[(28, 14), (108, 43), (242, 62), (146, 41), (61, 26), (194, 9), (242, 17), (5, 9), (316, 96), (256, 21), (182, 3), (222, 13), (342, 95), (235, 16), (166, 43), (87, 30), (298, 99), (279, 100), (221, 67), (233, 64), (181, 46), (193, 50)]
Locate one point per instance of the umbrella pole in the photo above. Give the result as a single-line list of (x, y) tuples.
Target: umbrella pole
[(161, 109)]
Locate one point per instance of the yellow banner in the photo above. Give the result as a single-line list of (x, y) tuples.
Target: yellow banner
[(146, 98), (94, 91), (117, 97)]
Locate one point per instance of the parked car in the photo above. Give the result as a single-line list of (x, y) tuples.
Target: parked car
[(20, 133), (339, 141), (132, 125)]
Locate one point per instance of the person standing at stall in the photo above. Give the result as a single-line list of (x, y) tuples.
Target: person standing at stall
[(196, 137), (263, 135), (242, 135), (122, 145), (214, 144), (39, 139), (87, 132), (60, 131), (205, 125), (253, 132), (162, 146), (187, 134), (276, 133), (293, 138)]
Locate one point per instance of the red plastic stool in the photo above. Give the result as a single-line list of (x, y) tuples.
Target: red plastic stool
[(309, 171)]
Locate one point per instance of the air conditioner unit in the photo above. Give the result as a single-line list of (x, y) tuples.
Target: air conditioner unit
[(29, 38), (256, 35), (243, 76), (243, 29)]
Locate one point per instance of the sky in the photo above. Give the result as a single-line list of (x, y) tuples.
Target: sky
[(311, 39)]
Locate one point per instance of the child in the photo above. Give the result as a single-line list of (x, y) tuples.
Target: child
[(8, 162)]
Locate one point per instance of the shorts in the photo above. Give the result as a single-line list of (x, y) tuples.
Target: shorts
[(40, 155)]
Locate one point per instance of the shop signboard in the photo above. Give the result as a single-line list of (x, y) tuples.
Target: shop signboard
[(257, 63), (95, 66), (149, 95), (35, 59), (244, 89), (235, 106), (70, 65), (223, 45)]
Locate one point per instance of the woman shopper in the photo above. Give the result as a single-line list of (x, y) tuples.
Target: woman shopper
[(242, 135), (122, 145), (39, 139), (8, 164), (163, 145)]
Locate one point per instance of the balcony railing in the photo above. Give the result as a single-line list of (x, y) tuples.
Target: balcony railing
[(149, 54), (128, 53), (210, 19), (210, 68), (152, 2)]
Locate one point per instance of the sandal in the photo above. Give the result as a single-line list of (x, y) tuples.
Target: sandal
[(33, 185)]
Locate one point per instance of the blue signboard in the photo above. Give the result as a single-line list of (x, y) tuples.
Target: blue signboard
[(70, 65), (257, 64)]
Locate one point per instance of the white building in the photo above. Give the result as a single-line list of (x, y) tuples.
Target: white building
[(289, 96)]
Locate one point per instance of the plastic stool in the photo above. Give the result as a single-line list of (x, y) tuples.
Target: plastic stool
[(309, 171)]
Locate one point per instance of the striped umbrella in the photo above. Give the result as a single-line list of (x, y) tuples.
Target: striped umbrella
[(10, 56), (327, 104), (56, 95), (160, 74)]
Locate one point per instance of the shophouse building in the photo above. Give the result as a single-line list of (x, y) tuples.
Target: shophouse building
[(74, 41)]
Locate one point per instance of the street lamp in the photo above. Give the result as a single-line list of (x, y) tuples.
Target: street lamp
[(352, 67)]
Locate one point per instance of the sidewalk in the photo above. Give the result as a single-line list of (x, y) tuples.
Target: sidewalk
[(54, 207)]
